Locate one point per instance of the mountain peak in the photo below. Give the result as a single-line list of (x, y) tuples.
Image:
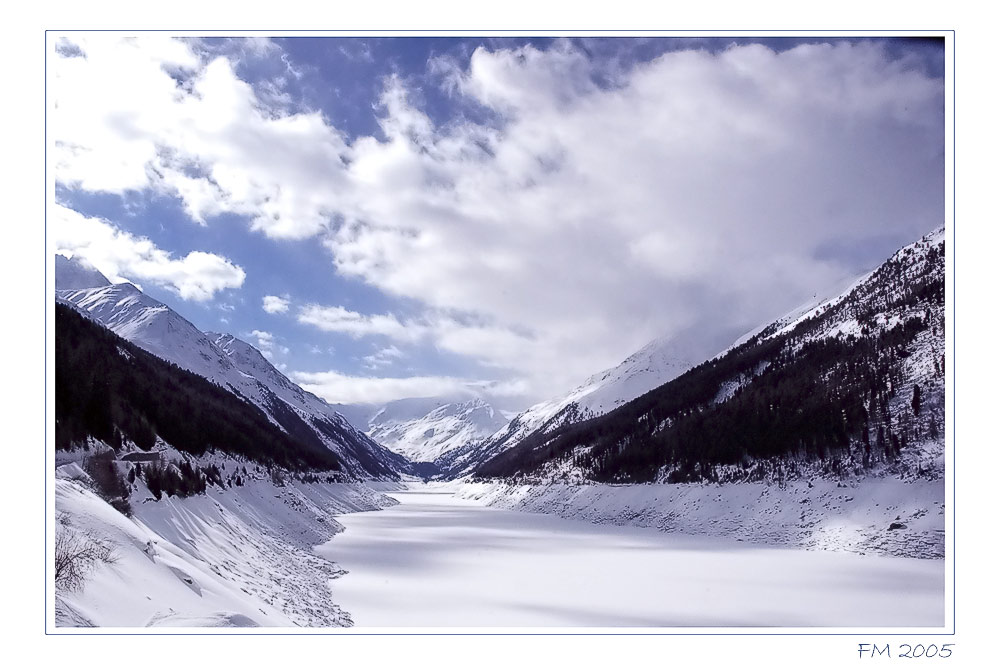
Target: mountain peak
[(424, 429), (76, 273), (234, 365)]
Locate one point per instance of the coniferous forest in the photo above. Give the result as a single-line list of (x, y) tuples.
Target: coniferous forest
[(804, 396), (111, 390)]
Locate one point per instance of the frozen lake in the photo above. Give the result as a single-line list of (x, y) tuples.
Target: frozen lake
[(437, 561)]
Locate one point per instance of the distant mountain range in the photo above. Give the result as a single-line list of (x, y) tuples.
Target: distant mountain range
[(651, 366), (422, 430), (449, 436)]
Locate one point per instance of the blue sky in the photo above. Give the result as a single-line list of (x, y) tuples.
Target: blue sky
[(501, 217)]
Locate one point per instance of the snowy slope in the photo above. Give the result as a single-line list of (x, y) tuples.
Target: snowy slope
[(151, 325), (329, 424), (806, 309), (235, 558), (75, 274), (902, 268), (851, 385), (231, 364), (422, 430), (652, 366), (816, 514)]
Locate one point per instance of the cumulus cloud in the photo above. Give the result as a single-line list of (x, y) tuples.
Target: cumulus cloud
[(123, 256), (493, 345), (341, 388), (188, 126), (341, 320), (275, 304), (336, 387), (689, 199), (268, 344), (691, 196), (383, 357)]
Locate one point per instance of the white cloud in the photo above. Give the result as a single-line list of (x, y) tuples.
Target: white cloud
[(493, 345), (336, 387), (383, 357), (268, 344), (341, 320), (275, 304), (122, 256), (693, 197), (206, 139)]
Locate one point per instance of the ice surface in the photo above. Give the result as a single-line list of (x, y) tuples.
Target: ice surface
[(439, 561)]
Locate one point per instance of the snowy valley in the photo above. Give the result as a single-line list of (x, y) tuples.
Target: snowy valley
[(814, 443)]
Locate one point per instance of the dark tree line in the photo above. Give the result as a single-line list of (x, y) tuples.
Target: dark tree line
[(111, 390), (800, 399), (175, 480)]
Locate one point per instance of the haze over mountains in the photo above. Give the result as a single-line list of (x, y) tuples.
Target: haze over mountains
[(852, 385)]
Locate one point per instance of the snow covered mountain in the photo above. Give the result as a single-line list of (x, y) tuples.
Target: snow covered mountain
[(652, 366), (324, 419), (223, 360), (73, 274), (852, 385), (422, 430)]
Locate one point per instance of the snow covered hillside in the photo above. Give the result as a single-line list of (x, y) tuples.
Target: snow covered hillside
[(322, 416), (652, 366), (886, 516), (854, 386), (74, 274), (862, 475), (223, 360), (239, 557), (422, 430)]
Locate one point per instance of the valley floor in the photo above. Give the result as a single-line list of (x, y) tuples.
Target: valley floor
[(437, 560)]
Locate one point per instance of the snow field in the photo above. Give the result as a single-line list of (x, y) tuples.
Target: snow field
[(234, 558), (818, 514), (438, 561)]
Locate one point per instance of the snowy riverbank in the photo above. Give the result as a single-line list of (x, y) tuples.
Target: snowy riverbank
[(235, 557), (877, 515)]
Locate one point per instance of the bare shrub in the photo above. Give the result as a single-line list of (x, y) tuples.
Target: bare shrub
[(77, 553)]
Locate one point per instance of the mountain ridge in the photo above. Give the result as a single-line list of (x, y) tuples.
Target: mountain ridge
[(653, 365), (158, 329), (875, 352), (442, 427)]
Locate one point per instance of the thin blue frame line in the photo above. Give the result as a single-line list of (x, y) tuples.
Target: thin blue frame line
[(953, 368), (472, 32), (45, 323), (954, 343), (331, 634)]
